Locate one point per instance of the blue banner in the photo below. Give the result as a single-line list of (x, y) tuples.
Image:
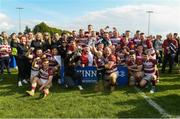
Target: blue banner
[(123, 76), (89, 73)]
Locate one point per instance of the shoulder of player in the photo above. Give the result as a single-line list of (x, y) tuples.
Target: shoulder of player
[(50, 71), (154, 61), (139, 61), (112, 57)]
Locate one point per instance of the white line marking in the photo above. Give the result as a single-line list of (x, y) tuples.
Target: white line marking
[(153, 104)]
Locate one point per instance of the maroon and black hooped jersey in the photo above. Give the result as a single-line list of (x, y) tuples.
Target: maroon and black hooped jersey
[(108, 59), (45, 73), (52, 61), (134, 64), (6, 51), (149, 67)]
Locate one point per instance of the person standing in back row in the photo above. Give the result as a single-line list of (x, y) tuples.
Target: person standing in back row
[(170, 46), (38, 42), (22, 61)]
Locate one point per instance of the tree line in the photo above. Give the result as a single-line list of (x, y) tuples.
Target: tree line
[(43, 27)]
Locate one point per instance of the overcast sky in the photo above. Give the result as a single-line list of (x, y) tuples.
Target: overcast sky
[(75, 14)]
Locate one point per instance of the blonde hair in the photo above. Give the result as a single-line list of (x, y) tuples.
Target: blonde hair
[(5, 42), (49, 39), (40, 35)]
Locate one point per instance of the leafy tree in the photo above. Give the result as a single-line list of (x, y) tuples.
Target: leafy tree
[(27, 30), (43, 27)]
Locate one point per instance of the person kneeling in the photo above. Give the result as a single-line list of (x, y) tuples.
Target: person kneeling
[(43, 79), (111, 73), (150, 77), (135, 70)]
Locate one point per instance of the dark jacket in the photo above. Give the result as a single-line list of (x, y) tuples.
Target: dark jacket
[(37, 44), (21, 51)]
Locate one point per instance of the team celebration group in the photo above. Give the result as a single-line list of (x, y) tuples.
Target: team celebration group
[(40, 57)]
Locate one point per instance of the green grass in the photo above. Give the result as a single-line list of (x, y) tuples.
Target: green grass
[(124, 102), (168, 95)]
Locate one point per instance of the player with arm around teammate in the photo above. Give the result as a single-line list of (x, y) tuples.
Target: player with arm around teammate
[(43, 79), (149, 68), (135, 69)]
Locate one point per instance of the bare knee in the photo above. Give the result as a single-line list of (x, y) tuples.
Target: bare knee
[(35, 79), (143, 83), (113, 78)]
